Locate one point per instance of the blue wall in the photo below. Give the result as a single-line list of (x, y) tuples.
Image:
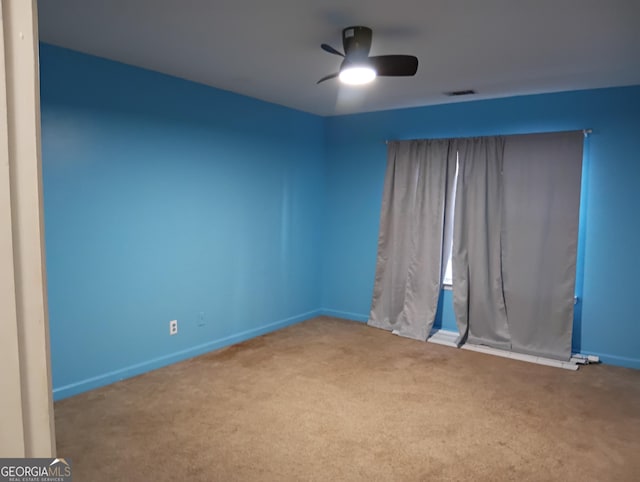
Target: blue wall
[(165, 199), (607, 280)]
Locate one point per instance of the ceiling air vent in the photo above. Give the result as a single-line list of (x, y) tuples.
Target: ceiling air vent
[(457, 93)]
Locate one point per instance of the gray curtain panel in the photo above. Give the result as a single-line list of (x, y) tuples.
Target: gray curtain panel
[(478, 297), (407, 282), (542, 175)]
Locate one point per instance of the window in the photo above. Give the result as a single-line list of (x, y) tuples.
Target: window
[(447, 275)]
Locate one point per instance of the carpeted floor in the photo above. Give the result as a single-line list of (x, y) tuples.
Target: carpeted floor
[(335, 400)]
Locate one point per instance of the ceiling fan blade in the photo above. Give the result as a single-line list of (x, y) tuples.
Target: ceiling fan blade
[(331, 50), (327, 77), (394, 65)]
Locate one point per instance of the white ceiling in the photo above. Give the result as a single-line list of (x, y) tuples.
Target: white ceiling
[(270, 49)]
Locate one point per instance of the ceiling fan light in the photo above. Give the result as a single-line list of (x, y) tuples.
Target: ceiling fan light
[(358, 75)]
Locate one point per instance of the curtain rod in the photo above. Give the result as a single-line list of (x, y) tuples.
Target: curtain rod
[(586, 133)]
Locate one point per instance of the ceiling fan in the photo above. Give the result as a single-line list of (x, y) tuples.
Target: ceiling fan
[(358, 68)]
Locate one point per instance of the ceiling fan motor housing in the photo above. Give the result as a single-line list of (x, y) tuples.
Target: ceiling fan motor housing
[(357, 41)]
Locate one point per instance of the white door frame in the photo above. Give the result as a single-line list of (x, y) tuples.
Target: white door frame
[(26, 403)]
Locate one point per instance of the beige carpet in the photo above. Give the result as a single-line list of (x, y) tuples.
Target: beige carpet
[(335, 400)]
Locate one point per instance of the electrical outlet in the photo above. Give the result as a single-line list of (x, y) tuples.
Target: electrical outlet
[(173, 327), (201, 321)]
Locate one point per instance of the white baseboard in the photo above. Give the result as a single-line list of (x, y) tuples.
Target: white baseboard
[(448, 338)]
